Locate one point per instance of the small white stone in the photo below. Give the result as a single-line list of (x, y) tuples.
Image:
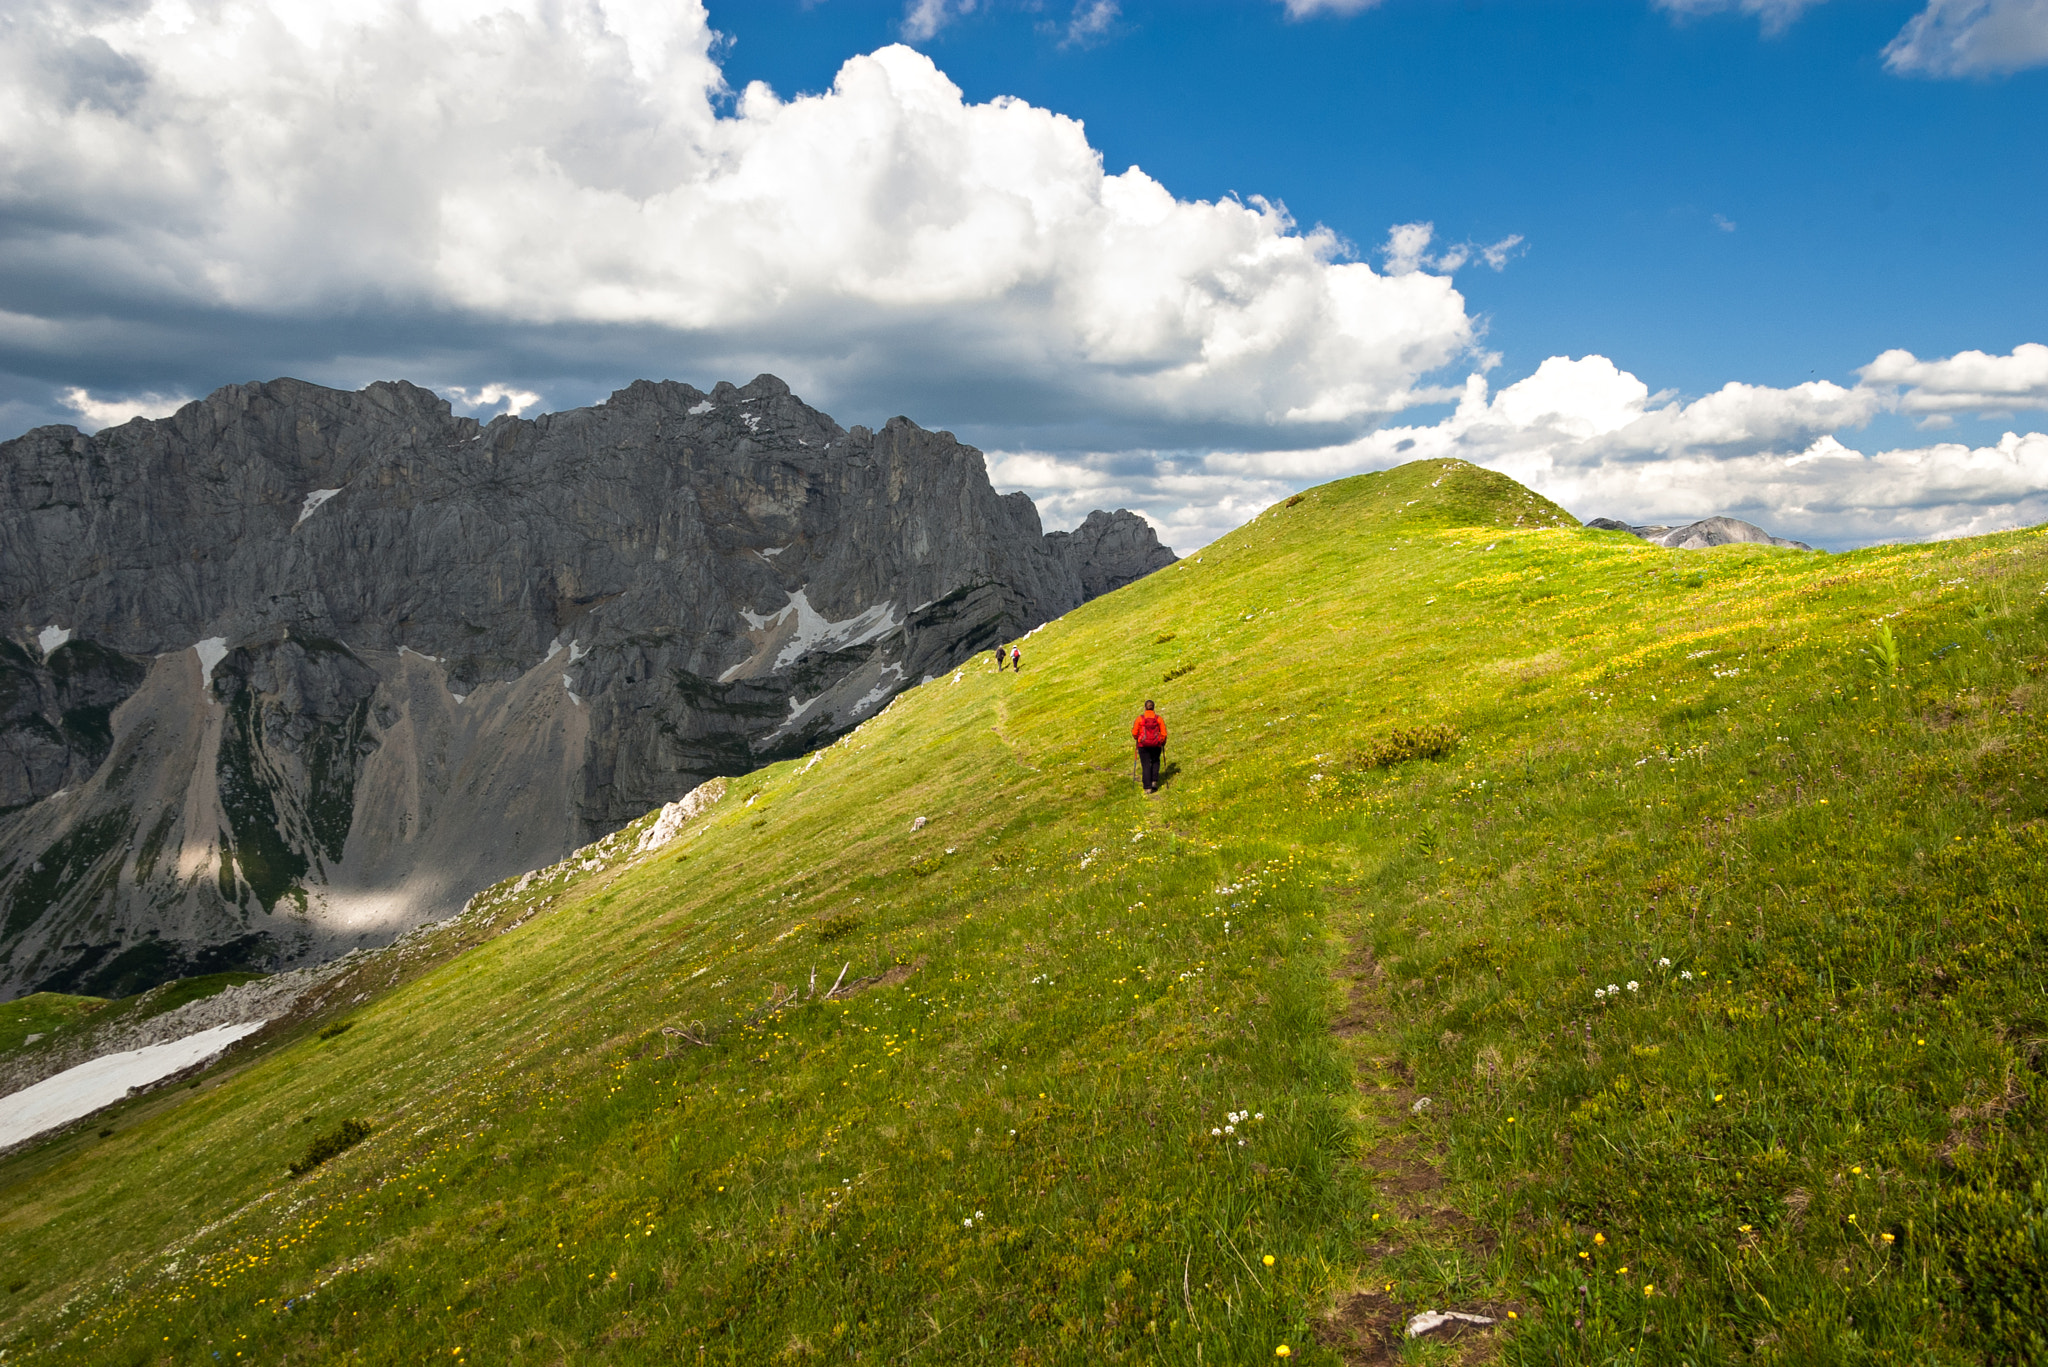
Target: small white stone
[(1428, 1320)]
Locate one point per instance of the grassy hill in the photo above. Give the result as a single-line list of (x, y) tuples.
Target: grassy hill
[(1639, 947)]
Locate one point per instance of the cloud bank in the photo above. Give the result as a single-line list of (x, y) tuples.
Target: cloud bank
[(482, 195), (555, 167), (1594, 438)]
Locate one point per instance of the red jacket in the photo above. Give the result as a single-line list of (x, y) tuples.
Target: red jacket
[(1149, 729)]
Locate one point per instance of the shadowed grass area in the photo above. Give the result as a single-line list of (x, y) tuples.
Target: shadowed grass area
[(1711, 944)]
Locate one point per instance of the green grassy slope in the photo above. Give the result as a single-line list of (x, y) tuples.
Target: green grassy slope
[(1811, 784), (53, 1018)]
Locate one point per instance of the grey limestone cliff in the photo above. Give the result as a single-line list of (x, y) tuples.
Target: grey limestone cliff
[(1696, 536), (296, 668), (1109, 550)]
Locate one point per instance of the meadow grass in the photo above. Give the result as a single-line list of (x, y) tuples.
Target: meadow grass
[(57, 1017), (1710, 943)]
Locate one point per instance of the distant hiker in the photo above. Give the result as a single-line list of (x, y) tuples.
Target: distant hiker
[(1149, 731), (999, 659), (1016, 661)]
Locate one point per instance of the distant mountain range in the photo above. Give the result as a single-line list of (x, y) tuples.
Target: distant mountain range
[(295, 669), (1697, 536)]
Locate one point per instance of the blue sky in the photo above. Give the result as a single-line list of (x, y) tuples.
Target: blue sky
[(529, 210), (1868, 210)]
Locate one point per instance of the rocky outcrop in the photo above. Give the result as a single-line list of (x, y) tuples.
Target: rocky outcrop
[(297, 668), (1109, 550), (1695, 536)]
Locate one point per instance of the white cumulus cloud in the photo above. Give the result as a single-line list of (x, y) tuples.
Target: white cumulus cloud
[(548, 167), (1408, 250), (100, 413), (922, 19), (1302, 9), (1947, 38), (1971, 38), (1597, 440), (504, 398), (1774, 15), (1969, 381)]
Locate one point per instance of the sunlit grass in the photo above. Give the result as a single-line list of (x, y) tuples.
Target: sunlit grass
[(1018, 1152)]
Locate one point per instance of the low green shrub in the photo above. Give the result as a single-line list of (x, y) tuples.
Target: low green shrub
[(1994, 1233), (341, 1138), (836, 927), (1170, 675), (338, 1028), (1433, 741)]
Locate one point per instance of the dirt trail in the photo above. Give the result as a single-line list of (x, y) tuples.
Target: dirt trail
[(1402, 1160)]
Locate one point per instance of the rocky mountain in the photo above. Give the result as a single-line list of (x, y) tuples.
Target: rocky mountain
[(1695, 536), (1109, 550), (295, 669)]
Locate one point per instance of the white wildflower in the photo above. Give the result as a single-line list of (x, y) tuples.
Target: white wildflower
[(1663, 963), (1633, 985)]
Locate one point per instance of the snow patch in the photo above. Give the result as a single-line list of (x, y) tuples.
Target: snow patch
[(576, 652), (803, 628), (815, 632), (570, 685), (698, 410), (460, 698), (771, 552), (883, 687), (50, 637), (796, 711), (752, 420), (437, 659), (313, 502), (211, 651), (82, 1090), (554, 649)]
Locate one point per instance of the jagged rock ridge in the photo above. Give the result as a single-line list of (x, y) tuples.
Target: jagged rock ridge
[(296, 668)]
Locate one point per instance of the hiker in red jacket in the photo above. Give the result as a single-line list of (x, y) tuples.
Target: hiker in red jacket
[(1149, 731)]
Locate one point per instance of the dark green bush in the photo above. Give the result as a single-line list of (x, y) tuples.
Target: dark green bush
[(338, 1028), (1410, 742), (836, 927), (1994, 1232), (1170, 675), (346, 1135)]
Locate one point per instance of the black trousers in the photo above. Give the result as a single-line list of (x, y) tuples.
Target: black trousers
[(1148, 762)]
